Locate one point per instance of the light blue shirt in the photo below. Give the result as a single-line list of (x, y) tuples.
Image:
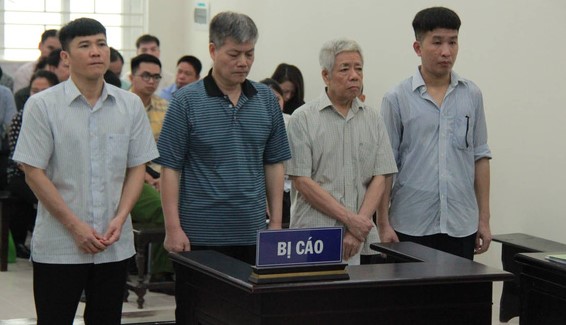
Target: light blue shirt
[(435, 149), (85, 152), (7, 110), (167, 92)]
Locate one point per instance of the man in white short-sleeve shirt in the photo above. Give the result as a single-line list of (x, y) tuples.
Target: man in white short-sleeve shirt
[(83, 145)]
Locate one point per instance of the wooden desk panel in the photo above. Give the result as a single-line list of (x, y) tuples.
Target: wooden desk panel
[(440, 289), (511, 245), (543, 290)]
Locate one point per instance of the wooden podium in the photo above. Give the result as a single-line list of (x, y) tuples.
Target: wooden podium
[(426, 287), (543, 290)]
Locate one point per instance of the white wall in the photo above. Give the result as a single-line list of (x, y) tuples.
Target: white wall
[(513, 49)]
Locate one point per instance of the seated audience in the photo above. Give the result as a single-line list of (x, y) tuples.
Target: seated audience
[(57, 66), (7, 112), (6, 80), (52, 63), (291, 81), (149, 44), (24, 220), (188, 70), (116, 66), (49, 42), (145, 77), (22, 95), (112, 79)]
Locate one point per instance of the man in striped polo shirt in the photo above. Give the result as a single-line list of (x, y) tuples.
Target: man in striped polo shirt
[(341, 153), (222, 149)]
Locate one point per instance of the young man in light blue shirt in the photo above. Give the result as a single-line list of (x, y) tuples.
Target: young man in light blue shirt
[(436, 124)]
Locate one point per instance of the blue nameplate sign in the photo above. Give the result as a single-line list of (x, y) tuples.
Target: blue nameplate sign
[(293, 247)]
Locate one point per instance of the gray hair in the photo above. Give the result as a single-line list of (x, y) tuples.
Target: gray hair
[(332, 48), (237, 26)]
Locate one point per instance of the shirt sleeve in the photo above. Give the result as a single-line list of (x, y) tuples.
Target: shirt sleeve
[(392, 120), (35, 142), (142, 148), (277, 147), (300, 163), (385, 162), (481, 148)]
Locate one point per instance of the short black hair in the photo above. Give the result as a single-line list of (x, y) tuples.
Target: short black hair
[(148, 58), (40, 64), (48, 75), (115, 55), (146, 39), (79, 27), (430, 19), (273, 85), (48, 33), (192, 60), (54, 58), (111, 78)]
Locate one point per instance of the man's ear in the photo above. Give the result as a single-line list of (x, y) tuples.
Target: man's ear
[(65, 57), (325, 76), (212, 50), (417, 47)]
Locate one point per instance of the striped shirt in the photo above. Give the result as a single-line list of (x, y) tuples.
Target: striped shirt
[(341, 154), (221, 151), (85, 153), (436, 149)]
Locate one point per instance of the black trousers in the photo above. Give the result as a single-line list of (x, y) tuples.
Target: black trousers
[(183, 312), (57, 290), (460, 246)]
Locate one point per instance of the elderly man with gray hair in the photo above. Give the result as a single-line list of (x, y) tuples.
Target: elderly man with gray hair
[(341, 153), (222, 148)]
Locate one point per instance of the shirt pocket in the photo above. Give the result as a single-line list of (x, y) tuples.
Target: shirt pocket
[(117, 154), (463, 132)]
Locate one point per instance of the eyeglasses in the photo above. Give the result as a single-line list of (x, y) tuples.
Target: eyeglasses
[(146, 76)]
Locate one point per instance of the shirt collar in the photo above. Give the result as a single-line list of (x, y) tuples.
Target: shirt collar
[(324, 102), (72, 92), (418, 80), (213, 90)]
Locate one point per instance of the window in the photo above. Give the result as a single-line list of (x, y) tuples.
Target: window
[(23, 22)]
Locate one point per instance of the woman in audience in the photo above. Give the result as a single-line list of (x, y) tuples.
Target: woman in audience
[(20, 224), (291, 81), (278, 92), (274, 85)]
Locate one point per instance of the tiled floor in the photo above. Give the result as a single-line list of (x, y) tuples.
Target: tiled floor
[(17, 307)]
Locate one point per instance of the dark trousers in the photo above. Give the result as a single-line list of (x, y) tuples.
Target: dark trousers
[(183, 313), (57, 290), (460, 246), (286, 216)]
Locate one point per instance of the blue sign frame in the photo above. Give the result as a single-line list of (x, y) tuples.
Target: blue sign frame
[(297, 247)]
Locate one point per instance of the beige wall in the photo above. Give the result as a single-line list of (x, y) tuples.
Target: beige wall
[(513, 49)]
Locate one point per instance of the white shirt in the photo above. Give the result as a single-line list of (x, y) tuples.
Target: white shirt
[(85, 153)]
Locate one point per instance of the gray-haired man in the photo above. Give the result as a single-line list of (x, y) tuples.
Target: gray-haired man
[(222, 144), (341, 153)]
